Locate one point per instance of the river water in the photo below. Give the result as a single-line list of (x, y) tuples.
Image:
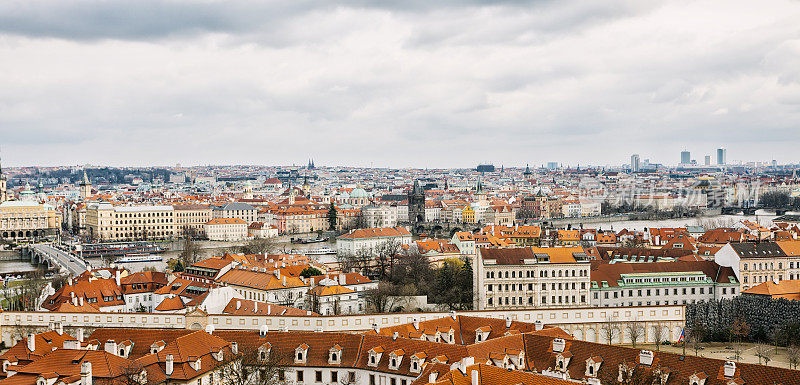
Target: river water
[(705, 222)]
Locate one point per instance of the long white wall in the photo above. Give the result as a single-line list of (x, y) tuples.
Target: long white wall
[(582, 322)]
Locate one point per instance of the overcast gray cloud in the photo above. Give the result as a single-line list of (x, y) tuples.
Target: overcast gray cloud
[(397, 83)]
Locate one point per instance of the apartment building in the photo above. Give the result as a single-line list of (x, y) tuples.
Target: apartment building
[(106, 222), (366, 239), (239, 210), (660, 283), (758, 262), (226, 229), (192, 218), (525, 277), (25, 220)]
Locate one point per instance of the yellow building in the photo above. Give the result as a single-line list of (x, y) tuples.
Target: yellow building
[(25, 220), (120, 223), (192, 218), (468, 215)]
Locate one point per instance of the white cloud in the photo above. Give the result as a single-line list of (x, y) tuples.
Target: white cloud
[(400, 84)]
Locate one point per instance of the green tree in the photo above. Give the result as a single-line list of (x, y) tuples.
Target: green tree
[(310, 272), (332, 217)]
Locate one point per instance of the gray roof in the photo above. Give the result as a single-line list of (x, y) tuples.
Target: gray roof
[(234, 206), (757, 249)]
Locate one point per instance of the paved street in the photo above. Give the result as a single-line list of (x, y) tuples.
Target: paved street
[(74, 265)]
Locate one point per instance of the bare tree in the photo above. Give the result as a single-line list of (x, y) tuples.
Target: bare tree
[(312, 301), (635, 331), (659, 335), (739, 329), (609, 329), (696, 335), (630, 374), (381, 299), (255, 365), (350, 378), (191, 250), (793, 355), (387, 255), (764, 352), (132, 374)]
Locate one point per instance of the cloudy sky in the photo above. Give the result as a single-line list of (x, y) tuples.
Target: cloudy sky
[(397, 83)]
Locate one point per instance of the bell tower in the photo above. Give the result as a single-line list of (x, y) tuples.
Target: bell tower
[(85, 187), (3, 191), (416, 204)]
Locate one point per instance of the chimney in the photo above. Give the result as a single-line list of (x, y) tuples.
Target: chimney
[(453, 314), (71, 344), (60, 328), (465, 363), (558, 345), (111, 347), (416, 323), (80, 335), (432, 378), (508, 322), (170, 362), (538, 325), (117, 277), (342, 279), (238, 304), (210, 329), (269, 309), (376, 328), (395, 335), (284, 281), (234, 347), (646, 357), (80, 301), (277, 272), (86, 373), (31, 342), (255, 306), (476, 379), (262, 331), (730, 369)]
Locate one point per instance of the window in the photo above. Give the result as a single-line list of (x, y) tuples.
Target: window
[(335, 376), (318, 376), (371, 379), (299, 376)]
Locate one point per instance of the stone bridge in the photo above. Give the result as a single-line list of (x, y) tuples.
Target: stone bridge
[(443, 229)]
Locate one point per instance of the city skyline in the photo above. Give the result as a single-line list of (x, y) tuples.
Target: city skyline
[(397, 84)]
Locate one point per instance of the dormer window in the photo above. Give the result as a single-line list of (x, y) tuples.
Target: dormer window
[(396, 358), (263, 352), (416, 362), (375, 356), (698, 379), (335, 355), (482, 333), (562, 360), (300, 354)]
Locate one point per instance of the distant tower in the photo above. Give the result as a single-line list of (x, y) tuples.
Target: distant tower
[(708, 160), (85, 187), (3, 191), (686, 157), (722, 155), (306, 187), (528, 175), (635, 163), (416, 204), (310, 164)]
